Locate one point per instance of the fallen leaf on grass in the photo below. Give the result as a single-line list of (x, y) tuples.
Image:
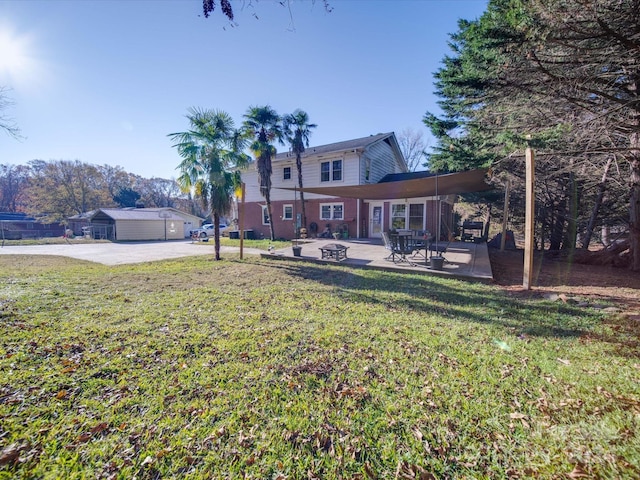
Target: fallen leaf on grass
[(99, 428), (578, 472), (408, 471), (369, 471), (563, 361), (10, 454), (521, 417), (163, 453)]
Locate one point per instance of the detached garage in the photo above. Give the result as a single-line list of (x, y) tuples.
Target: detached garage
[(130, 224)]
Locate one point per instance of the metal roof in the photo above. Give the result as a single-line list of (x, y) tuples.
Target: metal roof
[(137, 214)]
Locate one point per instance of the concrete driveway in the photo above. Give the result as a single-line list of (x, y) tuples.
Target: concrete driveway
[(123, 253)]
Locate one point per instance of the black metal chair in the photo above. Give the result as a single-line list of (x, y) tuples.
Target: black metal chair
[(401, 246), (387, 245), (419, 241)]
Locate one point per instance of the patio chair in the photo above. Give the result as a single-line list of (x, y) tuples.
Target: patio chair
[(419, 242), (401, 246), (387, 245)]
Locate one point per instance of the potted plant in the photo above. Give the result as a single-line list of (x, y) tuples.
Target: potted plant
[(295, 245)]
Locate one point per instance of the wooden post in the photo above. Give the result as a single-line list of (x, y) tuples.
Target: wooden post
[(241, 219), (505, 214), (529, 219)]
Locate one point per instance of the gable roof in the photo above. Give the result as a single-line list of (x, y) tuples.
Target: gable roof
[(355, 144), (138, 214)]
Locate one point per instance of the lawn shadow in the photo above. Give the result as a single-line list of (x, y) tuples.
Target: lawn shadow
[(454, 299)]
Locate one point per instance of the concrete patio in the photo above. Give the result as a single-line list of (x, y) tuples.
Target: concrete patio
[(464, 260)]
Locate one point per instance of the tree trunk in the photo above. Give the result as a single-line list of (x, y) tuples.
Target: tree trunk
[(268, 202), (216, 234), (596, 207), (606, 230), (569, 241), (557, 223), (264, 175), (634, 207), (634, 181), (303, 209), (487, 223), (612, 255)]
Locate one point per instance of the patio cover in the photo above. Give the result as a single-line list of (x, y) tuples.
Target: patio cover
[(447, 184)]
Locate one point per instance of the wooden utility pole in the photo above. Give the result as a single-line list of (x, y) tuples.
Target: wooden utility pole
[(505, 214), (529, 218)]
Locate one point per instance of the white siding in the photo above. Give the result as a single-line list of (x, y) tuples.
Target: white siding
[(310, 176), (383, 161), (127, 230), (384, 158)]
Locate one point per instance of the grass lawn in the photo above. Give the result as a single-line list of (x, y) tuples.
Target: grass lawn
[(287, 370)]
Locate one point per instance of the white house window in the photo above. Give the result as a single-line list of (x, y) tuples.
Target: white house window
[(331, 171), (336, 170), (332, 211), (325, 171), (416, 216), (265, 215), (287, 212), (286, 173), (398, 215)]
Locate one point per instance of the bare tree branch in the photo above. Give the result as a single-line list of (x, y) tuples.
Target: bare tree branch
[(7, 123)]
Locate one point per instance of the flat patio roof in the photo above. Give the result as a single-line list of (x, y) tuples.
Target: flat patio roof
[(445, 184)]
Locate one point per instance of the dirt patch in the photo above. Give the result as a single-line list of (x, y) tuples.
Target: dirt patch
[(567, 279)]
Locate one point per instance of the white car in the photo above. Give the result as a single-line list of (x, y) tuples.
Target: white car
[(207, 230)]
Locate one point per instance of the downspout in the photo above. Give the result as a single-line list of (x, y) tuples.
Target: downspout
[(358, 218), (359, 200)]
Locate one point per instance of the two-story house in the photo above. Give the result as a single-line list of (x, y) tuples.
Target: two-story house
[(374, 164)]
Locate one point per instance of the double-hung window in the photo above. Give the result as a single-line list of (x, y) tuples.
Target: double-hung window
[(265, 215), (331, 171), (287, 212), (416, 216), (332, 211), (407, 216), (398, 216), (286, 173)]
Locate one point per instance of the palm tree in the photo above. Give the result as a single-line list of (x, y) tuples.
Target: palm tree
[(211, 150), (263, 124), (297, 131)]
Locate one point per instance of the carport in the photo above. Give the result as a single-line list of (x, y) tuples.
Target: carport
[(136, 224)]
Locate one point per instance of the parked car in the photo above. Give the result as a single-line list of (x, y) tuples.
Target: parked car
[(207, 230)]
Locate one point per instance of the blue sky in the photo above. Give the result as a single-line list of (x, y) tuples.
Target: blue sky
[(104, 82)]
